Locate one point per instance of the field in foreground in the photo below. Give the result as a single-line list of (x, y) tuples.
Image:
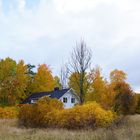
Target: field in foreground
[(127, 130)]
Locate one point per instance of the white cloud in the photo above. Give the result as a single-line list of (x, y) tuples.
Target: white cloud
[(21, 5), (111, 29), (76, 6), (0, 7)]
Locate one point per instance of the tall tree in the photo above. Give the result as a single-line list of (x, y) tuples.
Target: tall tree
[(125, 98), (79, 63), (97, 85), (43, 80), (117, 76), (107, 99), (30, 71), (57, 82), (7, 77), (64, 77), (75, 84), (31, 75), (13, 81), (21, 81)]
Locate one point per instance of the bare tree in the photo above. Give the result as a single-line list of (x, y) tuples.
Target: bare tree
[(63, 76), (79, 63)]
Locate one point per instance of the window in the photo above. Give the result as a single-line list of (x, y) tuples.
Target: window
[(64, 100), (33, 101), (72, 100)]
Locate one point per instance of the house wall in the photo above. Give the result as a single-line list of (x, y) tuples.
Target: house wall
[(69, 95)]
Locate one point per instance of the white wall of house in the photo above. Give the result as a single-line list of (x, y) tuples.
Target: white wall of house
[(69, 95), (70, 99)]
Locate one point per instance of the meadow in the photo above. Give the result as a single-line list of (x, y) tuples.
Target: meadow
[(127, 129)]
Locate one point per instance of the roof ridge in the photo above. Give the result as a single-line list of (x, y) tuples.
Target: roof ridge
[(53, 94)]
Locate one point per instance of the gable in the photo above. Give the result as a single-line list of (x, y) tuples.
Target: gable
[(69, 99), (70, 93)]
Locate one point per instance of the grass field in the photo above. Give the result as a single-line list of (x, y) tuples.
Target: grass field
[(127, 130)]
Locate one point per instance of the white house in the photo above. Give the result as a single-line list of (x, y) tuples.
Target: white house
[(67, 96)]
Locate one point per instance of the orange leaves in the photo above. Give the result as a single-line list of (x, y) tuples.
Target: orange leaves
[(13, 79), (74, 83), (41, 113), (17, 81), (117, 76), (108, 97), (125, 99), (116, 94), (89, 115), (43, 80), (97, 86), (8, 112), (21, 80), (50, 113)]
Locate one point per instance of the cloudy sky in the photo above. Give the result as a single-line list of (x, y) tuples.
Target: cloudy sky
[(46, 31)]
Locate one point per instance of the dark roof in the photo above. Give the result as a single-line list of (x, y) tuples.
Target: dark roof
[(53, 94)]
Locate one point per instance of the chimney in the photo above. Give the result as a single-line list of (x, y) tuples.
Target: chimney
[(56, 88)]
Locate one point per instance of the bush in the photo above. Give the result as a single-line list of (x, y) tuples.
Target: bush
[(89, 115), (50, 113), (8, 112), (138, 104), (35, 115)]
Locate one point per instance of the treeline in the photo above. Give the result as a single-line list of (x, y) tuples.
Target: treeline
[(18, 80), (113, 94)]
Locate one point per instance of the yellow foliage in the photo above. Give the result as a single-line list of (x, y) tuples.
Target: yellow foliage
[(35, 115), (8, 112), (50, 113), (117, 76), (74, 82), (25, 114), (97, 86), (108, 97), (89, 115), (43, 80)]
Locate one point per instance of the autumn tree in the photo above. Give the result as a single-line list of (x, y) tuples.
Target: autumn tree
[(74, 83), (107, 99), (138, 104), (64, 76), (117, 76), (97, 85), (13, 81), (79, 63), (57, 82), (125, 99), (7, 77), (30, 71), (43, 80), (21, 81)]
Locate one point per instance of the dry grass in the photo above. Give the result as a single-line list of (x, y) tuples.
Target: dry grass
[(127, 130)]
